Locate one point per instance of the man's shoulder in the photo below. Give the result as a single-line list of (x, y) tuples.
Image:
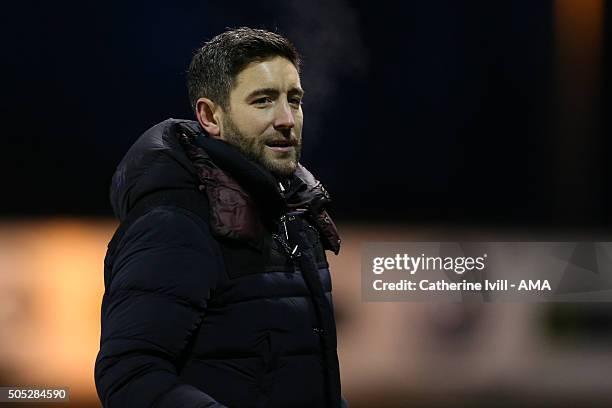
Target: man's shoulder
[(168, 225), (172, 220), (169, 251)]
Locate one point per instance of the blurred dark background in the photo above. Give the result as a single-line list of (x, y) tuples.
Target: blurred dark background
[(425, 121), (436, 112)]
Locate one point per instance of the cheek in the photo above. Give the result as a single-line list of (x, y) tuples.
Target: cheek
[(259, 130), (298, 125), (254, 125)]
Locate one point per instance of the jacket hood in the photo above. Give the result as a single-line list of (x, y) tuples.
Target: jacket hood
[(156, 161)]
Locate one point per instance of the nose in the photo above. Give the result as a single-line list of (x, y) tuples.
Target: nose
[(284, 118)]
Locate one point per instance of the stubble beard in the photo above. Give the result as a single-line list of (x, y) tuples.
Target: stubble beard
[(255, 149)]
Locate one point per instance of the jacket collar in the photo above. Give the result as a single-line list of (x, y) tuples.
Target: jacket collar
[(301, 190), (242, 192)]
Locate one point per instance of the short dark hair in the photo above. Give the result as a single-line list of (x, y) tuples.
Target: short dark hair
[(214, 67)]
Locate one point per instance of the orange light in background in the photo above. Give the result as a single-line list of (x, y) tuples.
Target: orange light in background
[(579, 27), (51, 286), (577, 120), (52, 283), (579, 39)]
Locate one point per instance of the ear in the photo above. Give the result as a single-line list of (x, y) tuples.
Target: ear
[(208, 116)]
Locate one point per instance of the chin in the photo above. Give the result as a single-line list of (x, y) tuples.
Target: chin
[(282, 169), (280, 166)]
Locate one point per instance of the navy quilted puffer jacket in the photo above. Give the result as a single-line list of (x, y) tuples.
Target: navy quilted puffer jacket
[(226, 302)]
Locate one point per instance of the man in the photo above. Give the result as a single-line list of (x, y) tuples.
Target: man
[(218, 291)]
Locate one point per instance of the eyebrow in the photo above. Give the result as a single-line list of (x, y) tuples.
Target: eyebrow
[(273, 91)]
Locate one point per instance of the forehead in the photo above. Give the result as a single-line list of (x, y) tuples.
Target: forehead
[(278, 73)]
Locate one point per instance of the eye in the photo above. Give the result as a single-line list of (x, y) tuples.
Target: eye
[(295, 101), (263, 100)]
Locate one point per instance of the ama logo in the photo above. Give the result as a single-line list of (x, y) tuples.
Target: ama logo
[(534, 285)]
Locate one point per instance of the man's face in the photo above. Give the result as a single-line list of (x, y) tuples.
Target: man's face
[(264, 119)]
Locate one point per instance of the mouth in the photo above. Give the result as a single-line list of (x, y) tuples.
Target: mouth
[(281, 145)]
